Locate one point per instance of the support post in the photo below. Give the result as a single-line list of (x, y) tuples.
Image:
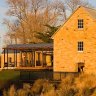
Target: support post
[(7, 58), (34, 59), (21, 60), (4, 57), (42, 59), (26, 60), (14, 58)]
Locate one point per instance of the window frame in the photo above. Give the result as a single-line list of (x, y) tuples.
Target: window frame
[(80, 46), (80, 23)]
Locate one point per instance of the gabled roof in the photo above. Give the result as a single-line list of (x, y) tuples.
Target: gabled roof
[(91, 11), (37, 46)]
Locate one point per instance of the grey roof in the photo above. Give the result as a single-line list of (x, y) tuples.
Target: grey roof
[(10, 51), (91, 11), (30, 46)]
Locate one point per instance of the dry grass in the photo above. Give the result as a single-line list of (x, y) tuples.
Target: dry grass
[(84, 85), (12, 91)]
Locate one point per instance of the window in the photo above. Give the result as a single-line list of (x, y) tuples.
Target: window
[(80, 46), (80, 23), (10, 60), (38, 56), (38, 59)]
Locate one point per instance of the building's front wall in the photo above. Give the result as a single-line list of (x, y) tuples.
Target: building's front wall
[(66, 55)]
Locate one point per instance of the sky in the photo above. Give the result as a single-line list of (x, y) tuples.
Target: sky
[(93, 2), (3, 10)]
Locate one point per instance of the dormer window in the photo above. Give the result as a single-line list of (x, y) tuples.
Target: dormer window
[(80, 23)]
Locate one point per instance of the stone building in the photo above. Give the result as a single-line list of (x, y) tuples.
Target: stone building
[(73, 49), (75, 43)]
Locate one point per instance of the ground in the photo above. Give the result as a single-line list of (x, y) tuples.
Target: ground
[(8, 74), (9, 77)]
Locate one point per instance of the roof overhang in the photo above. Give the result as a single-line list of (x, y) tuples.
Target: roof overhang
[(23, 47)]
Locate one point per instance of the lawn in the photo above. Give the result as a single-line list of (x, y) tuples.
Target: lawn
[(8, 77), (9, 74), (14, 75)]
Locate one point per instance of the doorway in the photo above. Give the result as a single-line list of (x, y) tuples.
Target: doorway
[(81, 67)]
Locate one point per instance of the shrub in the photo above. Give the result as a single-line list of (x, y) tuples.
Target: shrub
[(37, 86), (94, 93), (21, 92), (12, 91), (5, 93), (48, 88), (52, 92), (25, 91), (85, 83), (66, 87)]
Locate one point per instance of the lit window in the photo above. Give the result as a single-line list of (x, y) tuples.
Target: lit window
[(80, 46), (80, 23)]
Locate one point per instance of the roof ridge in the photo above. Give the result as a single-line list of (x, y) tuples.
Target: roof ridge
[(89, 8), (84, 7), (66, 20)]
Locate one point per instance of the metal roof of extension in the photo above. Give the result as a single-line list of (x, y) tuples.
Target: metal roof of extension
[(10, 51), (38, 46)]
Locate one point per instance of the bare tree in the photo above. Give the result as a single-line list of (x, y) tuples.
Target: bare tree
[(73, 4), (18, 8), (59, 9), (12, 27), (33, 15)]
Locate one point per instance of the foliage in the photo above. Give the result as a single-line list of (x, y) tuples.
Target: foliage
[(5, 93), (31, 16), (30, 19), (46, 36), (12, 91), (6, 78), (84, 85), (5, 74), (37, 86)]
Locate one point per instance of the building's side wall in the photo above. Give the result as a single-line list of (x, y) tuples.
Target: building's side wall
[(66, 55)]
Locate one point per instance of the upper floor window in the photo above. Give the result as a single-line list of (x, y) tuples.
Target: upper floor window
[(80, 23), (80, 46)]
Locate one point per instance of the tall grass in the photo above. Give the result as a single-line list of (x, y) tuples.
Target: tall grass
[(84, 85)]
